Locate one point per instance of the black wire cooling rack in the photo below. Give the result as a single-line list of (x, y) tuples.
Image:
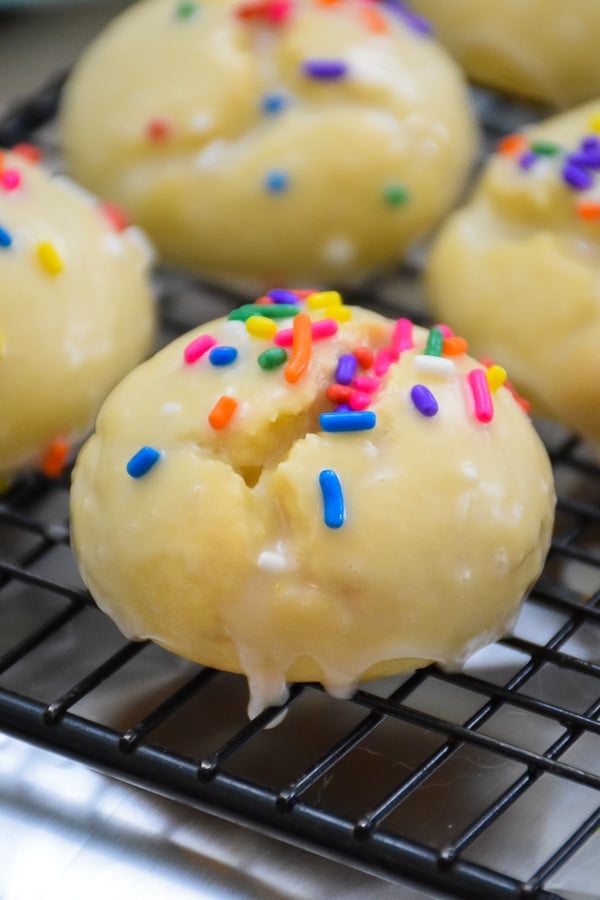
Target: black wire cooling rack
[(483, 783)]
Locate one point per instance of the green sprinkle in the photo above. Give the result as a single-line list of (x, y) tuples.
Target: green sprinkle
[(272, 358), (186, 10), (396, 194), (270, 310), (545, 148), (435, 343)]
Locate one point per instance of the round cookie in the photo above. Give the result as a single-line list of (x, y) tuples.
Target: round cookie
[(263, 142), (541, 49), (76, 312), (518, 269), (312, 492)]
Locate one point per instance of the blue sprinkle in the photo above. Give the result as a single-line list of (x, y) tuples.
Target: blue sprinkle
[(277, 181), (346, 368), (5, 238), (222, 356), (424, 400), (334, 512), (348, 421), (142, 461), (280, 295), (273, 104)]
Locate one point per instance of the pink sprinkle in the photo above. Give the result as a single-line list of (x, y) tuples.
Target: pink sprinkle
[(445, 329), (366, 384), (482, 398), (324, 328), (11, 179), (402, 336), (383, 360), (278, 10), (197, 348), (358, 401)]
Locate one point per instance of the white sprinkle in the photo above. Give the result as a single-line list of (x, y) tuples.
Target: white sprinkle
[(140, 239), (212, 153), (338, 251), (272, 562), (469, 470), (113, 244), (171, 407), (435, 365), (201, 122)]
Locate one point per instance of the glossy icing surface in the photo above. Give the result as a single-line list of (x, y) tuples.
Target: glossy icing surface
[(222, 551), (518, 269), (302, 141), (76, 312)]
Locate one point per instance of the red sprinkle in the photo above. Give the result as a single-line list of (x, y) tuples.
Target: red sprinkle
[(364, 356), (115, 216), (55, 458), (158, 130), (29, 152), (338, 393), (264, 301)]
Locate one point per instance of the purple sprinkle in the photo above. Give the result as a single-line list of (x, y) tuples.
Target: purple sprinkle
[(424, 400), (528, 159), (325, 69), (280, 295), (590, 142), (416, 23), (585, 159), (346, 368), (343, 407), (576, 177)]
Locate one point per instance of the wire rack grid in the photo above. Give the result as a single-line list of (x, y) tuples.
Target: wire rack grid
[(483, 783)]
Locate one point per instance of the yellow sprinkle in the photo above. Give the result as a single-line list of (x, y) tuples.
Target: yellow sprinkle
[(496, 376), (339, 313), (261, 327), (594, 122), (323, 299), (49, 258)]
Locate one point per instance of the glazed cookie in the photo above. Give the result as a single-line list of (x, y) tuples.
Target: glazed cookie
[(76, 312), (518, 270), (541, 49), (270, 141), (309, 491)]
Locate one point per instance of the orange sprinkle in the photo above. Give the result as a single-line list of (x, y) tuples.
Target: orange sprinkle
[(455, 346), (511, 145), (221, 413), (589, 210), (301, 348), (29, 152), (373, 19), (55, 458), (263, 301)]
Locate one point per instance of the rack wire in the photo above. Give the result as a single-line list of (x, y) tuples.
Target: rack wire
[(481, 783)]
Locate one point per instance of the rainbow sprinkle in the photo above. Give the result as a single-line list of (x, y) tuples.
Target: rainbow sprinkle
[(222, 356), (348, 421), (324, 69), (424, 400), (222, 412), (56, 458), (334, 511), (5, 238), (49, 258), (142, 461), (196, 349), (480, 393)]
